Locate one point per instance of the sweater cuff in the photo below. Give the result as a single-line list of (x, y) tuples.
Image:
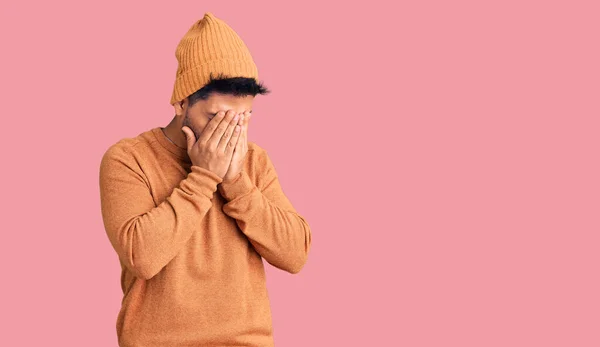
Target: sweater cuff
[(238, 186), (202, 181)]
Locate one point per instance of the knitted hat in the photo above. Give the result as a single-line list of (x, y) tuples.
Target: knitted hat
[(209, 46)]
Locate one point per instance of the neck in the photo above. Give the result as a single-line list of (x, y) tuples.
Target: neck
[(174, 133)]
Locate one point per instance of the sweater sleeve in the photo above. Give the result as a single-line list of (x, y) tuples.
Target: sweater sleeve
[(146, 237), (266, 216)]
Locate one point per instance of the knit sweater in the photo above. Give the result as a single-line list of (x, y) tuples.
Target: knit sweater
[(191, 246)]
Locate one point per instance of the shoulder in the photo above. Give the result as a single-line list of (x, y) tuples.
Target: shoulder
[(124, 155), (127, 147), (121, 164), (260, 165), (258, 156), (255, 148), (119, 151)]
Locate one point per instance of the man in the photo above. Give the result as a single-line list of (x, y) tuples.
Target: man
[(192, 208)]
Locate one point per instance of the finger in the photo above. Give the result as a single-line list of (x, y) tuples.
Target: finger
[(246, 120), (211, 127), (232, 144), (189, 136), (239, 146), (229, 132), (216, 136)]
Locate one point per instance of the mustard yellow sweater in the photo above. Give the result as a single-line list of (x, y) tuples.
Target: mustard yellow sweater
[(191, 247)]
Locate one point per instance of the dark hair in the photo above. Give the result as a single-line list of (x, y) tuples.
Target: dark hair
[(237, 86)]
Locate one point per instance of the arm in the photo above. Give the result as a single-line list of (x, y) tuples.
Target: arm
[(266, 216), (147, 237)]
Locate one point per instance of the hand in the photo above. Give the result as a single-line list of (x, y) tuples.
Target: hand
[(241, 148), (215, 146)]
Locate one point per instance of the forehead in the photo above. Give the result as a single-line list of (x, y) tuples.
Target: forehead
[(222, 102)]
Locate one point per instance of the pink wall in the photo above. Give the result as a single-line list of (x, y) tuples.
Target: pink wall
[(445, 155)]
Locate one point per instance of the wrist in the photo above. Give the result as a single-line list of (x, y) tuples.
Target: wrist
[(232, 177), (238, 186)]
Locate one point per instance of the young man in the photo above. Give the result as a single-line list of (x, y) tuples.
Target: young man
[(192, 208)]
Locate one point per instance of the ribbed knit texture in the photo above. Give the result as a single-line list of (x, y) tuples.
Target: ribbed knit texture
[(210, 46), (191, 246)]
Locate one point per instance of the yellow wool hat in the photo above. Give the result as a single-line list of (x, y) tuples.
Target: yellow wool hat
[(210, 47)]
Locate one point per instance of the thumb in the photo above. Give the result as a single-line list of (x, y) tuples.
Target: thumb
[(189, 135)]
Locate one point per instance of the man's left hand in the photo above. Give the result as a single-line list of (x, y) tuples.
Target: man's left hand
[(239, 153)]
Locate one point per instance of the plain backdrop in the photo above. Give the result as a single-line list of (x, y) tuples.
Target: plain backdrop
[(444, 153)]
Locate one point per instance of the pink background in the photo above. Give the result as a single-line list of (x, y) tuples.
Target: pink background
[(445, 155)]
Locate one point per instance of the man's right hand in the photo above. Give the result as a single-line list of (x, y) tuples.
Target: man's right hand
[(214, 148)]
